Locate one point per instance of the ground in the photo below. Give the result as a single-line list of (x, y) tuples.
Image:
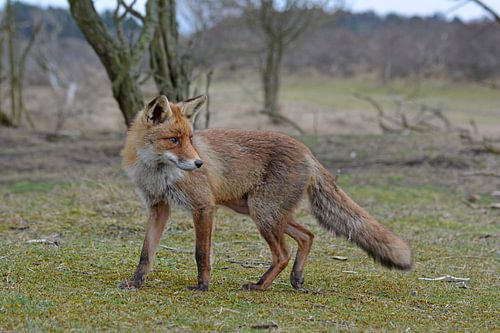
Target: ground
[(70, 193)]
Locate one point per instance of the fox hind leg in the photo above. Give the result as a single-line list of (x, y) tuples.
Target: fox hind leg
[(280, 258), (273, 231), (304, 239)]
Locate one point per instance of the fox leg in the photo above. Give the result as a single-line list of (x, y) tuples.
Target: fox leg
[(203, 229), (304, 239), (156, 223), (273, 233)]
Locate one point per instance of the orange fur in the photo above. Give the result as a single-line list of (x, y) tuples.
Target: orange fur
[(261, 174)]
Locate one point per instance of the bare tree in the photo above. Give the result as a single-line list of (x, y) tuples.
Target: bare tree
[(279, 24), (173, 67), (11, 56), (199, 16), (170, 68), (171, 71), (16, 68), (4, 119), (118, 56)]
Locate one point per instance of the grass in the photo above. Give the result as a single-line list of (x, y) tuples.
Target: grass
[(332, 98), (98, 223), (467, 99)]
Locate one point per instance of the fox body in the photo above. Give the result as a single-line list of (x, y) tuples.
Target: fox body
[(261, 174)]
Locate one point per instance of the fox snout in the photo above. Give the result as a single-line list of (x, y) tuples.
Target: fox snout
[(187, 165)]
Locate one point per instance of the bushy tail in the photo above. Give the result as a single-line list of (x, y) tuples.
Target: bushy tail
[(337, 212)]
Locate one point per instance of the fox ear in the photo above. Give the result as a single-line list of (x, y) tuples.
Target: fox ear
[(192, 106), (158, 110)]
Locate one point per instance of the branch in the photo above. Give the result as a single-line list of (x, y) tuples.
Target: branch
[(117, 21), (482, 173), (130, 9), (145, 38), (487, 8), (381, 114), (21, 71), (95, 31)]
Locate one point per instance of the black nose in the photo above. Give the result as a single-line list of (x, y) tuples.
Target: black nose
[(198, 163)]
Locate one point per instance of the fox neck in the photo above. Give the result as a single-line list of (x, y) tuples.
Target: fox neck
[(156, 178)]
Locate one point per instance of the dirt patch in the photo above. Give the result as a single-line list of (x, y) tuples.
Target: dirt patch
[(441, 159), (31, 155)]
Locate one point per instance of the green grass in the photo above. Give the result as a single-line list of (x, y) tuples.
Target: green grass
[(460, 101), (338, 93), (99, 227), (30, 186)]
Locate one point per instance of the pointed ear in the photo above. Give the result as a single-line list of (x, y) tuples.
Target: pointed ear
[(192, 106), (158, 110)]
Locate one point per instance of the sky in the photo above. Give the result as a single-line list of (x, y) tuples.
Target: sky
[(467, 12)]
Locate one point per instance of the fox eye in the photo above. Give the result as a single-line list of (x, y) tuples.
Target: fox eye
[(174, 140)]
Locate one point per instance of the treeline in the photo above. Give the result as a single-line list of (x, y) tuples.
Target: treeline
[(57, 21), (338, 43), (346, 44)]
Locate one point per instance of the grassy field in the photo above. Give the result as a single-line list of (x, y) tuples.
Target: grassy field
[(319, 103), (73, 194), (237, 97)]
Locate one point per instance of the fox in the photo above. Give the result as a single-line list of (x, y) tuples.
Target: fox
[(261, 174)]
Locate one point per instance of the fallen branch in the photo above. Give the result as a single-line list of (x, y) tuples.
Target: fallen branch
[(42, 241), (421, 122), (446, 278), (381, 114), (227, 310), (250, 264), (350, 272), (482, 173), (173, 249), (265, 326)]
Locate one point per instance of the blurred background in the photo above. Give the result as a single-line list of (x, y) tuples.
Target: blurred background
[(302, 67)]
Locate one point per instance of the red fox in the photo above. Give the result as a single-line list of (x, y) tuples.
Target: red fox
[(257, 173)]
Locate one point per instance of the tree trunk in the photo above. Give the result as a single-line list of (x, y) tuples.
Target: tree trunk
[(117, 60), (207, 103), (14, 113), (271, 79), (5, 121), (171, 74), (2, 114)]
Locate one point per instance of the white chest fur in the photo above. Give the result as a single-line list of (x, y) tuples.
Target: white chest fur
[(156, 178)]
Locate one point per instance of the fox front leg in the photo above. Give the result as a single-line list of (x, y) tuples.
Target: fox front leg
[(203, 229), (156, 224)]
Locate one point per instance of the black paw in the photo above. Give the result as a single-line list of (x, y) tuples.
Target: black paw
[(297, 281), (251, 286), (130, 285), (199, 287)]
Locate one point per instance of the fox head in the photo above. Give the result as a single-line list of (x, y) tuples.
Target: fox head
[(163, 133)]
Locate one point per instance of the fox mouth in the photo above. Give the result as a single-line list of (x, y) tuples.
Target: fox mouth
[(187, 165)]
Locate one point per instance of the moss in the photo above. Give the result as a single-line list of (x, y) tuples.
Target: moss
[(99, 227), (30, 186)]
